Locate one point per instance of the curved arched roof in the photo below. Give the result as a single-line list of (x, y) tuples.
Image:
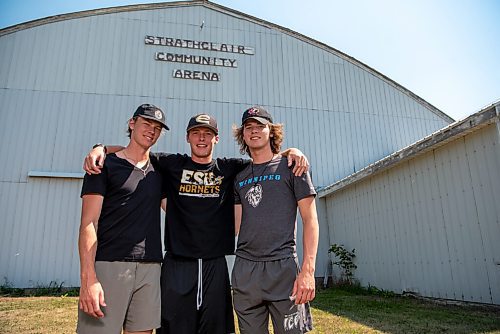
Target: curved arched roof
[(232, 12)]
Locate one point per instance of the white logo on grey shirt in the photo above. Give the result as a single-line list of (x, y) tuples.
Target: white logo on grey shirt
[(254, 195)]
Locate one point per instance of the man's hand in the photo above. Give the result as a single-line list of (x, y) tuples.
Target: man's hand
[(304, 288), (91, 298), (295, 156), (94, 161)]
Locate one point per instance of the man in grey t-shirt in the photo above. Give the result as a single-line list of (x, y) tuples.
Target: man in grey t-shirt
[(266, 278)]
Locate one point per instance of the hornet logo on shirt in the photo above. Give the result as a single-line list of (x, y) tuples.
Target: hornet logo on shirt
[(254, 195)]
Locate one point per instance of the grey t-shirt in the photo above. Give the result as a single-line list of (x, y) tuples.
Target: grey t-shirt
[(269, 194)]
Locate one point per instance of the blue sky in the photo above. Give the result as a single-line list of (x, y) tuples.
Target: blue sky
[(445, 51)]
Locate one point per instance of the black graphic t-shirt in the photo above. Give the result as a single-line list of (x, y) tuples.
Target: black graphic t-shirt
[(199, 222)]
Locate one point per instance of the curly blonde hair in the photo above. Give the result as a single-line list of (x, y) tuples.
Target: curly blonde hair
[(276, 135)]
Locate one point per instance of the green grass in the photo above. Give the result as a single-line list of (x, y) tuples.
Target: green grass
[(38, 315), (335, 311), (358, 311)]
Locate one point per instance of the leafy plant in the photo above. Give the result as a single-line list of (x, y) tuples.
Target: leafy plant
[(344, 259)]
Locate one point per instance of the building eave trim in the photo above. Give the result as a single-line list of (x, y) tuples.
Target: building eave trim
[(452, 132)]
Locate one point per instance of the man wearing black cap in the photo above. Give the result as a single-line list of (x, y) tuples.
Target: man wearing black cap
[(266, 277), (119, 242), (199, 232), (195, 282)]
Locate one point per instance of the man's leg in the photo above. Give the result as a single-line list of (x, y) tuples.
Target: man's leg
[(252, 312), (287, 317), (143, 314), (216, 311), (179, 278), (117, 281)]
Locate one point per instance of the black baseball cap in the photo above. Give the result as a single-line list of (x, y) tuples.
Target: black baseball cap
[(257, 113), (203, 120), (152, 112)]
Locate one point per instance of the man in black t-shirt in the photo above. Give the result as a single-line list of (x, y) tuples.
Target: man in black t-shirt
[(196, 295), (119, 242), (199, 230)]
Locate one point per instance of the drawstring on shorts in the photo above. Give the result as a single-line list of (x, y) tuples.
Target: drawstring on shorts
[(199, 293)]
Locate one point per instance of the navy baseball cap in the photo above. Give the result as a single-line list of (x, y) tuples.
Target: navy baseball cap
[(152, 112)]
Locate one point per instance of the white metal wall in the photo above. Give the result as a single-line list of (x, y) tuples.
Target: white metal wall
[(70, 83), (430, 225)]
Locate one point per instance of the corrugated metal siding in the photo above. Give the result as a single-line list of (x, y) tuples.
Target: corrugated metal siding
[(71, 83), (430, 225), (38, 236), (101, 54)]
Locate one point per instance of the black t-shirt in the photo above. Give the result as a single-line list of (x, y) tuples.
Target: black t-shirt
[(129, 224), (200, 205)]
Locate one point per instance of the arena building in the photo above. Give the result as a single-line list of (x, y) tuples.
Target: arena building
[(71, 80), (425, 220)]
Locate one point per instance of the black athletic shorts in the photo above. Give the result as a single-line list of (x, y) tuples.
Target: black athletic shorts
[(194, 301)]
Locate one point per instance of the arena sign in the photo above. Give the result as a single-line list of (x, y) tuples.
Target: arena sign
[(196, 75), (201, 45), (197, 59)]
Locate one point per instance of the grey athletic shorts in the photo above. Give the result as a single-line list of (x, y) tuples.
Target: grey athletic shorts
[(263, 288), (132, 296)]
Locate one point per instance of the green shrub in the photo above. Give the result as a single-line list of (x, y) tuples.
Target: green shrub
[(344, 259)]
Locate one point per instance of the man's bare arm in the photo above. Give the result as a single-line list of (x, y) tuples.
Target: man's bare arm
[(304, 288), (91, 292), (94, 161), (296, 157), (237, 218)]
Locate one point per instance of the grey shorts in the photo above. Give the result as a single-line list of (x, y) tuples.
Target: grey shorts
[(263, 288), (132, 296)]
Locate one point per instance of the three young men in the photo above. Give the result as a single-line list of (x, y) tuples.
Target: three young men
[(119, 242), (266, 280), (199, 231)]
